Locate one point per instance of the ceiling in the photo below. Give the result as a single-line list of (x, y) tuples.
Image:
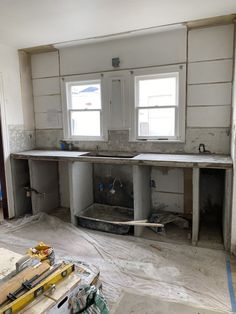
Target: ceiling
[(29, 23)]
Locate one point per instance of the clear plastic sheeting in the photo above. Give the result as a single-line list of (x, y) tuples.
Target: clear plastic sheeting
[(176, 272)]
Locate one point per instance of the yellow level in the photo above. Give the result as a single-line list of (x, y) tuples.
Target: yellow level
[(38, 290)]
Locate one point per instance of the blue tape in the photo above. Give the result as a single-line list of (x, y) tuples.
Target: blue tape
[(230, 284)]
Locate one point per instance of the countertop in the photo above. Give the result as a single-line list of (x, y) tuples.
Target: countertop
[(154, 159)]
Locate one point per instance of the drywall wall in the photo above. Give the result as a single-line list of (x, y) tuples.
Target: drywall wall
[(233, 154), (15, 137), (9, 67), (209, 60)]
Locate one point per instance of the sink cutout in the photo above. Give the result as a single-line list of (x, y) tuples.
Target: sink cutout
[(110, 154)]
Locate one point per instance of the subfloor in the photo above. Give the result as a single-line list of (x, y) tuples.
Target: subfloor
[(168, 271)]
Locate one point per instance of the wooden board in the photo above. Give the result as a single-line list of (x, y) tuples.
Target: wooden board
[(15, 283), (7, 261), (47, 301)]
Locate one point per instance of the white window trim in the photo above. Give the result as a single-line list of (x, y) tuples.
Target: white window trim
[(65, 83), (180, 118)]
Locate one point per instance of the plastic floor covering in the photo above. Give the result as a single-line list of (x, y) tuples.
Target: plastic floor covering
[(169, 271)]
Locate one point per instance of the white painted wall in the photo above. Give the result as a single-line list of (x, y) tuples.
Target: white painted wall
[(9, 67), (11, 107), (150, 50), (233, 154)]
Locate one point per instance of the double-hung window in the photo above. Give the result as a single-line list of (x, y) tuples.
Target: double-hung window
[(83, 116), (159, 104)]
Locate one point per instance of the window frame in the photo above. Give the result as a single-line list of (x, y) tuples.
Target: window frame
[(66, 83), (158, 72)]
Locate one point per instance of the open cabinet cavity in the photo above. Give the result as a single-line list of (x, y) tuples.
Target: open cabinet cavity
[(211, 208), (171, 204), (38, 186), (193, 204), (107, 191)]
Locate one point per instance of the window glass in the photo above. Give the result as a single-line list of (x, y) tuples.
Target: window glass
[(156, 122), (86, 96), (85, 123), (157, 92)]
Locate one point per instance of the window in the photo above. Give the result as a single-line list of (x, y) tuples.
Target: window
[(159, 104), (84, 109)]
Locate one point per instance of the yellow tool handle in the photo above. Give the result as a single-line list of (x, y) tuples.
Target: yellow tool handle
[(42, 287)]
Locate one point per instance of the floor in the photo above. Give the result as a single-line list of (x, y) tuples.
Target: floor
[(131, 303), (168, 271)]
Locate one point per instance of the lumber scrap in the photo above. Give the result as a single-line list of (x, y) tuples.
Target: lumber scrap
[(16, 282)]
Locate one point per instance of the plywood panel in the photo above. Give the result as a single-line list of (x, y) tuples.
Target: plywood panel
[(168, 180), (211, 43), (47, 103), (46, 86), (209, 94), (210, 71), (140, 51), (48, 120), (217, 116), (45, 64)]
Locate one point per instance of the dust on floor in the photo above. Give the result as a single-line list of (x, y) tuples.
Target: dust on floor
[(174, 272)]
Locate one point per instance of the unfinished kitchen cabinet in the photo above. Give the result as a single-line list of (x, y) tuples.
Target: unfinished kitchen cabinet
[(81, 188), (101, 195), (44, 183), (104, 190), (20, 183)]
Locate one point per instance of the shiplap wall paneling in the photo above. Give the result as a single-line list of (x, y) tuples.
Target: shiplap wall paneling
[(46, 86), (209, 94), (210, 72), (48, 120), (45, 65), (211, 43), (47, 103), (217, 116)]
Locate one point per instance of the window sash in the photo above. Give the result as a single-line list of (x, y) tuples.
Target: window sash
[(156, 76), (139, 78), (69, 90), (156, 137), (70, 111)]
